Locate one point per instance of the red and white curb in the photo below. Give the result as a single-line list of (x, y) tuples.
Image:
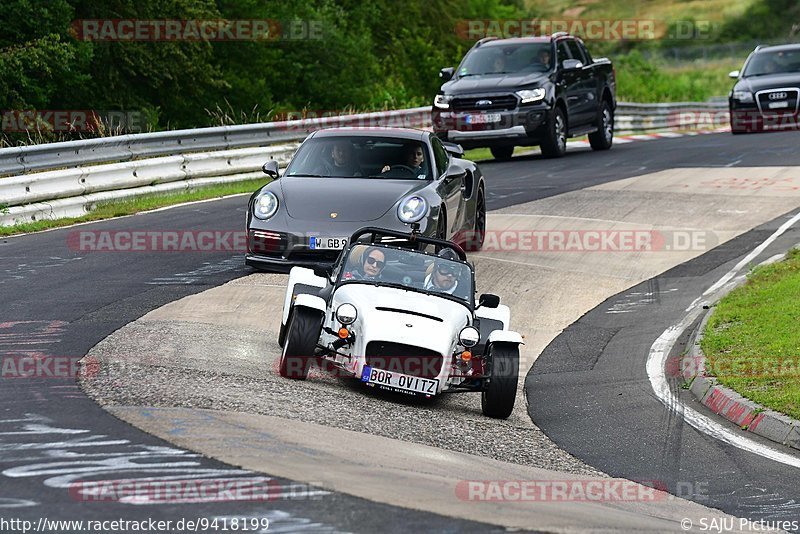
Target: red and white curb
[(632, 138)]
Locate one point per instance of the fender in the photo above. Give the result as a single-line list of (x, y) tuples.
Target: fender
[(313, 302), (505, 336), (299, 275), (502, 313)]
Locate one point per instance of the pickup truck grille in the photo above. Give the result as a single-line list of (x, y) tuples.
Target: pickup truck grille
[(404, 359), (502, 102)]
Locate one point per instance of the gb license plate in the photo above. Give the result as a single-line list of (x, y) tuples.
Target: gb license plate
[(398, 382), (327, 243), (484, 118)]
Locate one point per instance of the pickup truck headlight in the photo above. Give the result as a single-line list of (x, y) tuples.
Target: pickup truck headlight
[(469, 336), (531, 95), (743, 96), (346, 313), (412, 209), (266, 205), (442, 101)]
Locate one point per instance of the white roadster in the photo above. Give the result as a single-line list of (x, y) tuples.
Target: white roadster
[(401, 319)]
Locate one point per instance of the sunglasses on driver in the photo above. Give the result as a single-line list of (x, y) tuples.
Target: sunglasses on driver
[(373, 261)]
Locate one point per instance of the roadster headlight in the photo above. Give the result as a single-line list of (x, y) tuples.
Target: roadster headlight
[(412, 209), (743, 96), (442, 101), (531, 95), (346, 313), (469, 336), (266, 205)]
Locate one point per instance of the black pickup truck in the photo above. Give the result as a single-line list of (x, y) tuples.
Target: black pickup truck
[(527, 91)]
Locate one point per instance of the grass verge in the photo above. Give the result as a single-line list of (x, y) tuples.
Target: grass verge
[(752, 340), (107, 210)]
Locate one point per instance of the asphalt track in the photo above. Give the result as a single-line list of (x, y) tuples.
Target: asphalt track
[(61, 302)]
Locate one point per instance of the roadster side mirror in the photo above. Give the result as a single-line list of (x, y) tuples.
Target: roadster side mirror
[(270, 168), (487, 300)]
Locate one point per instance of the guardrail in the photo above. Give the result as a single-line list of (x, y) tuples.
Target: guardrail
[(68, 179)]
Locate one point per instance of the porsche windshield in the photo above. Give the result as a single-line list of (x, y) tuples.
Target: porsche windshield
[(525, 58), (780, 62), (377, 264), (361, 157)]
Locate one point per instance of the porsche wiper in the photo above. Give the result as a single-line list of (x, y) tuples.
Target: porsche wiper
[(309, 175)]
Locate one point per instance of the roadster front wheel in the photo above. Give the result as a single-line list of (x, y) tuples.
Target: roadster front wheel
[(302, 335), (497, 400)]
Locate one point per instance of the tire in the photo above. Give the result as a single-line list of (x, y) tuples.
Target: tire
[(302, 335), (282, 335), (474, 242), (554, 144), (502, 152), (497, 401), (603, 138)]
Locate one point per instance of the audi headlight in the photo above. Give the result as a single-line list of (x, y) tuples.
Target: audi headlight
[(442, 101), (266, 205), (469, 336), (346, 313), (412, 209), (743, 96), (531, 95)]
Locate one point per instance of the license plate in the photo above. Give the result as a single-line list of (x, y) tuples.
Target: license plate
[(398, 382), (778, 105), (484, 118), (327, 243)]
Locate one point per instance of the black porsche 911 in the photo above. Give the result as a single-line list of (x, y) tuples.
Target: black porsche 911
[(766, 95), (342, 179)]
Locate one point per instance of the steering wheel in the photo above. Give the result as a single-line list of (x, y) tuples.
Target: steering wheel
[(406, 168)]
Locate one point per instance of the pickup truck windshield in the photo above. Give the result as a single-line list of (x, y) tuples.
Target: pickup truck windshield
[(508, 59)]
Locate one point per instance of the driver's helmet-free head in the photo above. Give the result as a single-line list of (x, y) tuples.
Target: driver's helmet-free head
[(373, 261)]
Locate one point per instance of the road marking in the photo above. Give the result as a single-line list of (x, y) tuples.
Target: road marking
[(661, 348)]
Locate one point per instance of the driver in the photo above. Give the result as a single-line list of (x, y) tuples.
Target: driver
[(544, 57), (413, 158), (444, 278)]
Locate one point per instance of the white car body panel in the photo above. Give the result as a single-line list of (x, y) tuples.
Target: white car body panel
[(299, 275)]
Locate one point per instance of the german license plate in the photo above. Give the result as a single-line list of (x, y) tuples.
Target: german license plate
[(778, 105), (398, 382), (484, 118), (327, 243)]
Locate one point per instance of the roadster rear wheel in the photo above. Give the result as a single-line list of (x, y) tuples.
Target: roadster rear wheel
[(497, 400), (302, 334)]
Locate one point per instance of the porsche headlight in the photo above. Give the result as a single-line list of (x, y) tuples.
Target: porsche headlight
[(346, 313), (469, 336), (531, 95), (412, 209), (266, 205), (442, 101), (743, 96)]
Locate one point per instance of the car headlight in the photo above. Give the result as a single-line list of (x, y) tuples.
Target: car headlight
[(531, 95), (346, 313), (412, 209), (469, 336), (442, 101), (743, 96), (266, 205)]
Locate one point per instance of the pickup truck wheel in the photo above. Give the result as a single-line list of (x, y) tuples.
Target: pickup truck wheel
[(554, 145), (302, 335), (497, 400), (604, 136), (502, 152)]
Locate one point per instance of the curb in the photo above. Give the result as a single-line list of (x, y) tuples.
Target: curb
[(744, 413)]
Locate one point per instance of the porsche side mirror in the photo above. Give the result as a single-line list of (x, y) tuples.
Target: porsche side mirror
[(446, 74), (270, 168), (487, 300), (453, 148)]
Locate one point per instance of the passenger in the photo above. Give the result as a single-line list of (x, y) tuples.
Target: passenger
[(372, 264)]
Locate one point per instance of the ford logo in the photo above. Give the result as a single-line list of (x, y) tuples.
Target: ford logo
[(778, 96), (483, 103)]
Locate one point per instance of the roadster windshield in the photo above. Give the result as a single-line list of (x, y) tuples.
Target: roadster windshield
[(382, 265), (508, 59), (361, 157)]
